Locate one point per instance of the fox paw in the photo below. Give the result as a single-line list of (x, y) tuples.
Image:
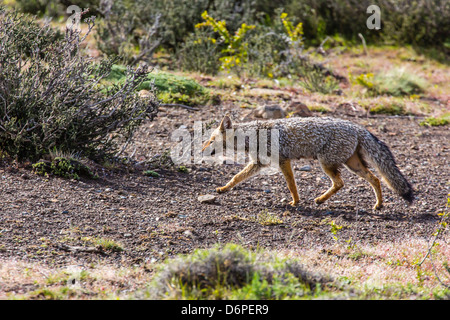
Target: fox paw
[(221, 190), (378, 206), (293, 203), (318, 201)]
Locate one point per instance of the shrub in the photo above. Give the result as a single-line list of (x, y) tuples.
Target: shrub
[(437, 121), (235, 52), (421, 23), (51, 94), (55, 8), (199, 52), (395, 82), (315, 80), (234, 273), (267, 46), (122, 33), (391, 109), (63, 167), (179, 17), (398, 82), (171, 88)]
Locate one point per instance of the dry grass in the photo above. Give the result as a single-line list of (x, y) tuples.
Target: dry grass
[(32, 280), (384, 270)]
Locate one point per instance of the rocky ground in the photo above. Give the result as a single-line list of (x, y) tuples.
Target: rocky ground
[(128, 218)]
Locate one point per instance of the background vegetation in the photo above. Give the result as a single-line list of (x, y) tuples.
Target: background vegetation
[(59, 105), (424, 26)]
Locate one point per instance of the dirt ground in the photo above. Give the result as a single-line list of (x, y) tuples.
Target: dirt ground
[(59, 222)]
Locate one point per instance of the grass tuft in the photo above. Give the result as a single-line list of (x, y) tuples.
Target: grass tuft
[(233, 272)]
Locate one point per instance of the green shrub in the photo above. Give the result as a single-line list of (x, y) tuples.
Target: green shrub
[(395, 82), (436, 121), (63, 167), (315, 80), (51, 94), (171, 88), (421, 23), (268, 47), (398, 82), (179, 17), (199, 52), (151, 173), (391, 109), (123, 32), (235, 52), (55, 8), (234, 273)]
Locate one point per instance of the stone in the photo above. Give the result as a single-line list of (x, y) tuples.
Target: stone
[(207, 198), (269, 112), (299, 109)]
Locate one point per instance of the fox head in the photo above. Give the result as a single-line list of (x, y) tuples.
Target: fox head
[(219, 134)]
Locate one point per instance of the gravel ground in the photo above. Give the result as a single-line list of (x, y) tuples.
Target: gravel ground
[(61, 222)]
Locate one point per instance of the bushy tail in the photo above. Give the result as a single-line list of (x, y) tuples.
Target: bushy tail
[(379, 155)]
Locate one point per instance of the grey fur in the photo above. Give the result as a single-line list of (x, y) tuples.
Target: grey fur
[(333, 141)]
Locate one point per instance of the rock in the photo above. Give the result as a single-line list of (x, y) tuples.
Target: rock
[(305, 168), (188, 233), (269, 112), (207, 198), (351, 108), (299, 109)]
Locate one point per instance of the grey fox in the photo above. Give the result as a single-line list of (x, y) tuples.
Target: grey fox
[(333, 142)]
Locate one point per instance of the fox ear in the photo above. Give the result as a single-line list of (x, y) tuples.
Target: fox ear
[(225, 124)]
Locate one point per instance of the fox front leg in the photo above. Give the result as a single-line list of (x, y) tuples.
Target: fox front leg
[(251, 169), (286, 169)]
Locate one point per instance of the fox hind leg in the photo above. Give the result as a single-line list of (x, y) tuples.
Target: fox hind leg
[(358, 166), (251, 169), (335, 176)]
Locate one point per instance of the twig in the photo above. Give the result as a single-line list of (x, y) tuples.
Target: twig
[(441, 229), (364, 43), (320, 48), (76, 249), (178, 105)]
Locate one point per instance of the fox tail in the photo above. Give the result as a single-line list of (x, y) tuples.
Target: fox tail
[(379, 155)]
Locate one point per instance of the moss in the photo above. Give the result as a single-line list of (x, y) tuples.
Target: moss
[(392, 109), (437, 121), (170, 88), (63, 167), (104, 243), (183, 169), (151, 173)]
